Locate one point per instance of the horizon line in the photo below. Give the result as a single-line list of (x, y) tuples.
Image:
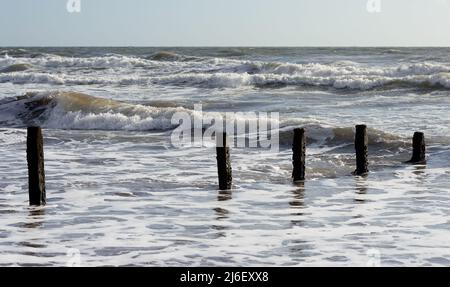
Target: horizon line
[(215, 46)]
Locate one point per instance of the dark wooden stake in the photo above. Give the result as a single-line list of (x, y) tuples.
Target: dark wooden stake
[(418, 142), (36, 174), (299, 155), (361, 147), (223, 162)]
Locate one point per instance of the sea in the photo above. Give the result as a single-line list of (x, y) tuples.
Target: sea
[(121, 193)]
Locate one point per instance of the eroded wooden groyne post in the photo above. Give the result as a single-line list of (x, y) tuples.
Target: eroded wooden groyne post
[(418, 143), (361, 148), (299, 154), (36, 173), (223, 161)]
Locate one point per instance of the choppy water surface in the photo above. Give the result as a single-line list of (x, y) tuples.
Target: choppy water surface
[(120, 193)]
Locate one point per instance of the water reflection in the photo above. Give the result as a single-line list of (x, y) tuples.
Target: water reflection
[(221, 213), (221, 231), (298, 199), (420, 173), (298, 203), (224, 195), (361, 188), (35, 218)]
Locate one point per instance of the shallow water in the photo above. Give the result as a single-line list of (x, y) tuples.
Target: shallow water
[(121, 194)]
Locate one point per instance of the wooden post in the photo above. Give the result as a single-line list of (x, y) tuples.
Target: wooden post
[(299, 155), (223, 161), (361, 147), (36, 174), (418, 142)]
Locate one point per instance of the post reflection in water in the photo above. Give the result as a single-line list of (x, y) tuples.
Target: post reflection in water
[(35, 218), (361, 188), (222, 214), (224, 195), (420, 173), (298, 196), (298, 203)]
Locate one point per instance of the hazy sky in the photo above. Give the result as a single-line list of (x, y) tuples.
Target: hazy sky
[(225, 23)]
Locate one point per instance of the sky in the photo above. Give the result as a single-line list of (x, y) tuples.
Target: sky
[(225, 23)]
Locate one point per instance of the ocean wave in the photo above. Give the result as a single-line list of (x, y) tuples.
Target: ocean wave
[(340, 68), (323, 134), (101, 62), (66, 79), (28, 78), (15, 68), (105, 62), (355, 82), (224, 65), (71, 110), (233, 80), (171, 69), (19, 52), (172, 56)]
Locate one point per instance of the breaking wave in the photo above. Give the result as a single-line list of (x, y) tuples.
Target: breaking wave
[(15, 68), (235, 80), (171, 69), (171, 56), (71, 110), (321, 134)]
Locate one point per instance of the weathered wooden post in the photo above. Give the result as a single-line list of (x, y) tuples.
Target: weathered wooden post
[(36, 173), (418, 142), (223, 161), (361, 147), (299, 155)]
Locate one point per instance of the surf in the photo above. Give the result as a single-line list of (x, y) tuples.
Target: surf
[(79, 111)]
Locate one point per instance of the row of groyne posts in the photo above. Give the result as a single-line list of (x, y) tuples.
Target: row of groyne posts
[(36, 173)]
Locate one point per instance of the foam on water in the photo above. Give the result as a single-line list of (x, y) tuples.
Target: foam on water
[(141, 216), (236, 80), (71, 110), (121, 194), (224, 73)]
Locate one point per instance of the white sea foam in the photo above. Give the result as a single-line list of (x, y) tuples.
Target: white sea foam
[(54, 61), (142, 118), (11, 136), (210, 72), (232, 80), (68, 110), (30, 78), (348, 77), (124, 196)]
